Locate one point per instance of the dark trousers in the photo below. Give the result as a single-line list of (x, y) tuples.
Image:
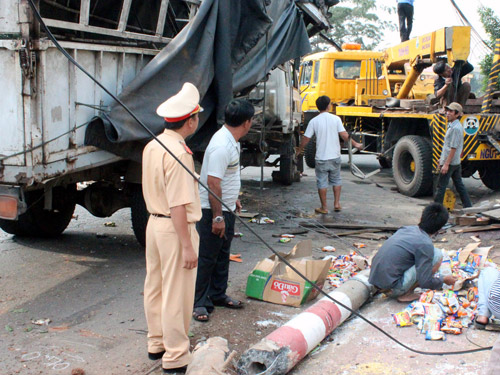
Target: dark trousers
[(213, 261), (455, 173), (405, 13)]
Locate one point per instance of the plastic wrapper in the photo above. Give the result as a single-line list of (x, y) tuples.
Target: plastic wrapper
[(402, 319), (430, 324), (435, 335)]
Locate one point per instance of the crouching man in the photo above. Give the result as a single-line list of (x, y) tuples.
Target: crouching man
[(408, 259)]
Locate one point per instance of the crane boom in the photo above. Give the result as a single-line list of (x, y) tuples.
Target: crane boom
[(422, 51)]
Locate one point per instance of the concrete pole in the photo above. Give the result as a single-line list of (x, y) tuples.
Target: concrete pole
[(281, 350)]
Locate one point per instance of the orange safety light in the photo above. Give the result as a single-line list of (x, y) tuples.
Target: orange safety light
[(351, 46), (8, 207)]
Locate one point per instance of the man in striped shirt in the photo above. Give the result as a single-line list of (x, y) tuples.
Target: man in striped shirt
[(221, 172), (489, 296)]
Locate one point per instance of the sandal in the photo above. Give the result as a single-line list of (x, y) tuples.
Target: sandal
[(479, 325), (200, 314), (337, 209), (320, 211), (229, 303)]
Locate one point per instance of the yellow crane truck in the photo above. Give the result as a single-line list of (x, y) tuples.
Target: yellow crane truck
[(383, 98)]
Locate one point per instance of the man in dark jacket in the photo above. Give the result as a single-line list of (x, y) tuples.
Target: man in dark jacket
[(408, 259), (448, 87)]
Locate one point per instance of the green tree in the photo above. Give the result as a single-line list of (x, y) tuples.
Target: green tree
[(491, 24), (355, 21)]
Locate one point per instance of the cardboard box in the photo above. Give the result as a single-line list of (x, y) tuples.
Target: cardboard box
[(273, 281)]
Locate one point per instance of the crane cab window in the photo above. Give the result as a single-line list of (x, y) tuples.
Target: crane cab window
[(305, 73), (344, 69), (316, 72)]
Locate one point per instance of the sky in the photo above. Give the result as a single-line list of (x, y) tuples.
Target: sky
[(430, 15)]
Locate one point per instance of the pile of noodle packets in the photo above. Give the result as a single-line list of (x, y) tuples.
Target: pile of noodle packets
[(439, 312), (344, 267)]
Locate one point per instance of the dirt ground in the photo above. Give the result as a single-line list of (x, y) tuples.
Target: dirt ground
[(89, 284)]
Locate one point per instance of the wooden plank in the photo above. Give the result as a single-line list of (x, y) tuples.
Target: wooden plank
[(494, 214), (389, 228), (354, 232), (104, 31), (160, 26), (248, 215), (478, 209), (370, 236), (477, 229), (84, 12), (122, 24), (471, 220)]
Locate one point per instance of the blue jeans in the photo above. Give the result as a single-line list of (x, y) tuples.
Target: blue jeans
[(455, 173), (328, 173), (410, 276)]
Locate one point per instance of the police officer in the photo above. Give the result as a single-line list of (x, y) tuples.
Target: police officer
[(172, 199)]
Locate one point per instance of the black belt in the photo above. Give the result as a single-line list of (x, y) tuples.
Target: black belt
[(160, 215)]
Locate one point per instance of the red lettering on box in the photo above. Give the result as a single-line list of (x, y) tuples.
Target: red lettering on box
[(286, 286)]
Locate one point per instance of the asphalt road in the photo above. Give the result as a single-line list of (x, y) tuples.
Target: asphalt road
[(88, 283)]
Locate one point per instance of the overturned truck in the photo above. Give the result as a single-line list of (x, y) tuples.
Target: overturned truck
[(66, 142)]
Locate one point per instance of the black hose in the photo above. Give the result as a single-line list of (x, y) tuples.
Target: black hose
[(284, 260)]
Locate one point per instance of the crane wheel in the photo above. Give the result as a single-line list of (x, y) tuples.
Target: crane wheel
[(412, 165)]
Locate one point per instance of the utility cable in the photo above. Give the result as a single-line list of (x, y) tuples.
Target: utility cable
[(284, 260)]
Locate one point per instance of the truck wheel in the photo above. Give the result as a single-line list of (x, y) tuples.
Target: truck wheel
[(412, 166), (139, 213), (310, 153), (288, 164), (39, 222), (490, 175)]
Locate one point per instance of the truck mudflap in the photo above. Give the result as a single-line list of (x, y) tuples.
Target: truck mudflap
[(479, 132)]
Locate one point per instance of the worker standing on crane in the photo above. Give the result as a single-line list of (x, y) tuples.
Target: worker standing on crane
[(405, 14)]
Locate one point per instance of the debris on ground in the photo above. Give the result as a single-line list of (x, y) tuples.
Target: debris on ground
[(272, 281), (438, 313), (483, 217), (262, 220), (110, 224), (41, 322), (328, 249), (78, 371), (235, 258), (210, 357), (344, 267)]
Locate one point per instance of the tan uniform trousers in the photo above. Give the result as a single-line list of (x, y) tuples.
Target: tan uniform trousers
[(168, 292)]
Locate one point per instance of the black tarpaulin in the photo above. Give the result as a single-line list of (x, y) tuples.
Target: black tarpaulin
[(222, 51)]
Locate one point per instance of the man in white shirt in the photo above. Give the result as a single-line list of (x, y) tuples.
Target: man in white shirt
[(327, 128), (221, 172)]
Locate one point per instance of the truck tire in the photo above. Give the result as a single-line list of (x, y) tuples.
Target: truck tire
[(138, 213), (310, 153), (38, 222), (490, 175), (289, 171), (412, 166)]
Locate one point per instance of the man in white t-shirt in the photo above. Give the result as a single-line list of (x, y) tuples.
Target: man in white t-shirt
[(221, 172), (327, 128)]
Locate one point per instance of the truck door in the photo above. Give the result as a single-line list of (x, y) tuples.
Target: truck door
[(309, 84)]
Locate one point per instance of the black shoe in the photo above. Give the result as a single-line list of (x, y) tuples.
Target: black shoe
[(155, 356), (177, 370)]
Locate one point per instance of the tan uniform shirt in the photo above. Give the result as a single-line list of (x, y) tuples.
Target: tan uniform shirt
[(165, 182)]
